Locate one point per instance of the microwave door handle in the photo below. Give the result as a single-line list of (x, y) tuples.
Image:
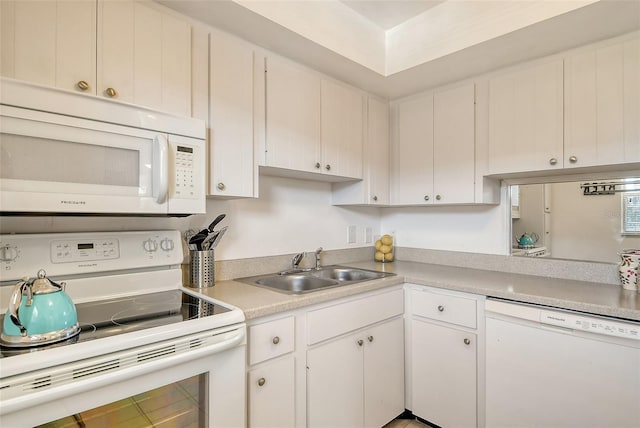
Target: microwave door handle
[(160, 168)]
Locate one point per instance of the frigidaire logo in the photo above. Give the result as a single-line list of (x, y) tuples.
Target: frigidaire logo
[(73, 202), (88, 265)]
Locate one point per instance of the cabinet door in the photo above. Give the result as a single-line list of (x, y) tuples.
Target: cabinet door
[(384, 373), (335, 395), (454, 145), (376, 152), (144, 56), (292, 116), (526, 119), (341, 130), (412, 152), (601, 106), (231, 159), (51, 43), (444, 375), (271, 393)]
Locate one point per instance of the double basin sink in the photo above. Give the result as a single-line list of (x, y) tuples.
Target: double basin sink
[(314, 280)]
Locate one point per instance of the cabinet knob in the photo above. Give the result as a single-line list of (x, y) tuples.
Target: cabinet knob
[(375, 198), (438, 197), (82, 85), (327, 167), (467, 341), (276, 340), (111, 92), (370, 338), (317, 165), (261, 381), (553, 161), (360, 342), (221, 186), (426, 197), (573, 159), (441, 308)]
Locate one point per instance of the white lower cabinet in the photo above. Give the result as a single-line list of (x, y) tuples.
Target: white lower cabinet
[(271, 394), (357, 380), (446, 357)]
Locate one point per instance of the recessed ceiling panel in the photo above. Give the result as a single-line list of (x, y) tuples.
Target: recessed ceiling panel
[(389, 13)]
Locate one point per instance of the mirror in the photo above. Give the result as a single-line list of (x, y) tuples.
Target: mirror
[(586, 220)]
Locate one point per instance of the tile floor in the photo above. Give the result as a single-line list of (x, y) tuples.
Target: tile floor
[(405, 423)]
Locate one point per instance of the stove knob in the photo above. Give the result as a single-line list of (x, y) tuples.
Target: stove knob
[(8, 254), (166, 244), (150, 245)]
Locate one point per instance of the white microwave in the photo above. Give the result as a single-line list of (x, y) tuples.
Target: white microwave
[(67, 153)]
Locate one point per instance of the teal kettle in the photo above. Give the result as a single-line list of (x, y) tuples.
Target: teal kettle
[(527, 240), (39, 313)]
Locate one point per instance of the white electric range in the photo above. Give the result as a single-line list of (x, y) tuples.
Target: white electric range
[(150, 352)]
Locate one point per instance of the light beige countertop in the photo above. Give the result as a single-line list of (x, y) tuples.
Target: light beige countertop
[(595, 298)]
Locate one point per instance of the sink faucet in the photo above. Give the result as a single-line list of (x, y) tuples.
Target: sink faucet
[(318, 251)]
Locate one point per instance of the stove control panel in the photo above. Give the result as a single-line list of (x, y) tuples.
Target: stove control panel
[(84, 250), (87, 252)]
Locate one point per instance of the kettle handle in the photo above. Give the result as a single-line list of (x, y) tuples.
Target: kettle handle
[(14, 304)]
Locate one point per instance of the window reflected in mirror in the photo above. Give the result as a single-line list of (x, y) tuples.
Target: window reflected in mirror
[(587, 220)]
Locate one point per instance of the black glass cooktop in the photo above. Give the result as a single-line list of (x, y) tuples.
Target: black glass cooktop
[(127, 314)]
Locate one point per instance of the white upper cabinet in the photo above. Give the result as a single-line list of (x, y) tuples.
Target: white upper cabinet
[(433, 154), (231, 133), (314, 126), (411, 179), (51, 43), (526, 118), (602, 105), (341, 119), (292, 116), (454, 145), (125, 50), (374, 187), (144, 56)]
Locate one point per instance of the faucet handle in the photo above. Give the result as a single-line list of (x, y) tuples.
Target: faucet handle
[(319, 250), (296, 260)]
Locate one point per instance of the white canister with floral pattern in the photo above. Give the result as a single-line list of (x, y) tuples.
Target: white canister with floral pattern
[(628, 269)]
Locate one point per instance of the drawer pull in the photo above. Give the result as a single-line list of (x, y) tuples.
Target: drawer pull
[(261, 381), (276, 340), (467, 341), (360, 342), (110, 92), (441, 308), (82, 85), (370, 338)]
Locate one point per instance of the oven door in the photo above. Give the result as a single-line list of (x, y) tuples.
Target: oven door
[(51, 163), (196, 380)]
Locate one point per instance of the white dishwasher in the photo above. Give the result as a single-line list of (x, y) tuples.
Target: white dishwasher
[(548, 367)]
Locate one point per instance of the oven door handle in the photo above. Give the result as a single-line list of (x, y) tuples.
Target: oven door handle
[(160, 168), (76, 387)]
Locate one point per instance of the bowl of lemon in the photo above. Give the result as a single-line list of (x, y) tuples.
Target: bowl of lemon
[(384, 249)]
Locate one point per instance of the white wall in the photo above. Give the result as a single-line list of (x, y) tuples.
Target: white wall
[(290, 216), (478, 229)]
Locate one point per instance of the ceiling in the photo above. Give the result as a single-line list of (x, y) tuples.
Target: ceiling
[(389, 13), (396, 48)]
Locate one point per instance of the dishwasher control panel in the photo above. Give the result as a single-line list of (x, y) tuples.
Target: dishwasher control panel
[(591, 324)]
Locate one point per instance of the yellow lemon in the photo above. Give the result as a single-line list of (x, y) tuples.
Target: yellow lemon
[(385, 249), (378, 244), (387, 240), (379, 256), (388, 257)]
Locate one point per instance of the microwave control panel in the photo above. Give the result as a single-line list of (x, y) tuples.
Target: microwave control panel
[(185, 184)]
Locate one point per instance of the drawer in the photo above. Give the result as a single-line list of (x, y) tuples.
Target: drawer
[(342, 318), (442, 307), (271, 339)]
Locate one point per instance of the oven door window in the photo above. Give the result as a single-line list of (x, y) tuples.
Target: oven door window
[(180, 404)]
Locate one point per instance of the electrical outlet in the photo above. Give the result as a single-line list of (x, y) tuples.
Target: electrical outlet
[(351, 234), (368, 235)]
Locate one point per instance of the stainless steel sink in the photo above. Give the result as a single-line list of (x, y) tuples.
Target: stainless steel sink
[(313, 280)]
